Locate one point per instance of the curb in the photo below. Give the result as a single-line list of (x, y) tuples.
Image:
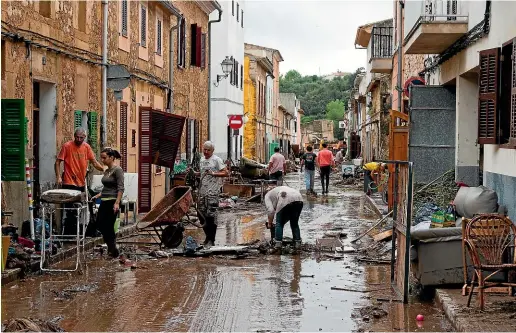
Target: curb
[(12, 275), (446, 303)]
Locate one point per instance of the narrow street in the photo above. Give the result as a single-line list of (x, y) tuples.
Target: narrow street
[(266, 293)]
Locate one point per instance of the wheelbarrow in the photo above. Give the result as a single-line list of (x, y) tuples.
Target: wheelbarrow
[(164, 222)]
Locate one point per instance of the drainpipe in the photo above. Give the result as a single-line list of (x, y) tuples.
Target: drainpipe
[(400, 56), (209, 67), (104, 70)]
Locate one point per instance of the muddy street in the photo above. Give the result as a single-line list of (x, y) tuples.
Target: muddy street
[(220, 293)]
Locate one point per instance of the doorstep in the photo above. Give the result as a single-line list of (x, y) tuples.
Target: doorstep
[(471, 319), (11, 275)]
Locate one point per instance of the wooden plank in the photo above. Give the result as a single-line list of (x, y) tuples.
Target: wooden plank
[(383, 236), (491, 290), (240, 190)]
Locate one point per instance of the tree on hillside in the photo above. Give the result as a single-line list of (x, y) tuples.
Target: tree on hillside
[(292, 75), (335, 112)]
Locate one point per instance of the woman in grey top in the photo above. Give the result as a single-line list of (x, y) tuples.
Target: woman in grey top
[(111, 195)]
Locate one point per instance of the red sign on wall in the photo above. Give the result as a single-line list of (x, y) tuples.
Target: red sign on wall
[(235, 121)]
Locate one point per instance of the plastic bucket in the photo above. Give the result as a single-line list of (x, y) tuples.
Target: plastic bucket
[(6, 242)]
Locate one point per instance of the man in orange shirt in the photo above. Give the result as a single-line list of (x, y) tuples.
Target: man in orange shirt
[(325, 162), (75, 154)]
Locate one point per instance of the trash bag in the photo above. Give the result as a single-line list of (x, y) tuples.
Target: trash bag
[(190, 246), (425, 212)]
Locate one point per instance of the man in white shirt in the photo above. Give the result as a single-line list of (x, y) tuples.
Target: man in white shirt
[(286, 204), (277, 167), (213, 171)]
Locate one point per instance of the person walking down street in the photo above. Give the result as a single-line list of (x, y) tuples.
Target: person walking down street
[(110, 196), (369, 169), (75, 155), (284, 203), (325, 162), (277, 167), (212, 172), (308, 161)]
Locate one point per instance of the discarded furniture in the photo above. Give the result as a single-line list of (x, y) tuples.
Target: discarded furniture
[(52, 201), (490, 241), (163, 223), (240, 190)]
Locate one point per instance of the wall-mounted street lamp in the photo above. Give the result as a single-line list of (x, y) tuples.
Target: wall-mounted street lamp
[(227, 67)]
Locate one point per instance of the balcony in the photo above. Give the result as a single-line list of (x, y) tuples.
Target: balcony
[(431, 26), (380, 50)]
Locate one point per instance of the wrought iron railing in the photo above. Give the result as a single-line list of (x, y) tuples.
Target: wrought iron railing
[(381, 42), (442, 10)]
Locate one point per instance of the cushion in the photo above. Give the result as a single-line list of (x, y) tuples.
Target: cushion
[(62, 196), (470, 201)]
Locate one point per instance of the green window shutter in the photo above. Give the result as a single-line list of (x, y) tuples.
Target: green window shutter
[(92, 131), (77, 120), (14, 136)]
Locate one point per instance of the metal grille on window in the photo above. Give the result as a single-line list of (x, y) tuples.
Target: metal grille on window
[(124, 18), (158, 48), (143, 41), (123, 135), (236, 74), (203, 50), (451, 9), (241, 77)]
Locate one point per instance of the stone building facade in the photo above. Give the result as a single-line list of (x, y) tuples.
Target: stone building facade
[(256, 70), (52, 58)]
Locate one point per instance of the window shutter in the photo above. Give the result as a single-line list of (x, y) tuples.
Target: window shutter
[(183, 42), (203, 51), (133, 138), (242, 77), (242, 20), (513, 95), (77, 119), (198, 47), (193, 45), (144, 168), (123, 135), (92, 131), (13, 139), (238, 11), (158, 46), (143, 41), (488, 96), (233, 7), (124, 18)]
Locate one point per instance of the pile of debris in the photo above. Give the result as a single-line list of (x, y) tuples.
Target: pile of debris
[(31, 325), (435, 195)]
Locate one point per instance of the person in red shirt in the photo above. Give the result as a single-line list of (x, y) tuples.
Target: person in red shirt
[(75, 155), (325, 162)]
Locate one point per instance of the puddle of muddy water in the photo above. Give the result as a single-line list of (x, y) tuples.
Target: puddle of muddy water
[(272, 293)]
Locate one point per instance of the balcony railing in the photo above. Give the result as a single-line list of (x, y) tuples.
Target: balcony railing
[(442, 10), (381, 42)]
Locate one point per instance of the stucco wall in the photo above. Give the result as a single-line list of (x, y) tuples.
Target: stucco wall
[(250, 110)]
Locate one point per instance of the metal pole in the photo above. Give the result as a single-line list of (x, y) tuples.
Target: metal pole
[(29, 196), (104, 70), (394, 216), (400, 50), (408, 223)]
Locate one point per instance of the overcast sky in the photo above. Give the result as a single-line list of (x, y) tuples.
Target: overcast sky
[(313, 36)]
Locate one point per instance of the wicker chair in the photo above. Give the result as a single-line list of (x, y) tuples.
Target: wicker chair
[(489, 239)]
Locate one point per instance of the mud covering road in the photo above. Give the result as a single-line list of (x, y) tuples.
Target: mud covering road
[(218, 293)]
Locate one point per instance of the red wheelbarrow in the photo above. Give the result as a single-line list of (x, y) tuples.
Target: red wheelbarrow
[(164, 222)]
